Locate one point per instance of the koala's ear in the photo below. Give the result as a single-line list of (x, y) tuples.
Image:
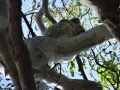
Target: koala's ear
[(75, 20)]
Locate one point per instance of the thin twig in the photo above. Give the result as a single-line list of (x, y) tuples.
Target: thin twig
[(28, 25), (85, 13), (80, 65)]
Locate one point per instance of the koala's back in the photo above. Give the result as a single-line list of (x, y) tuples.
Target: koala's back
[(60, 30)]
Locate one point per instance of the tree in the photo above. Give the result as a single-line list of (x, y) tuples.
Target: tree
[(44, 50)]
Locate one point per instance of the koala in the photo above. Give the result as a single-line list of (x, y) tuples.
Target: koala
[(65, 29)]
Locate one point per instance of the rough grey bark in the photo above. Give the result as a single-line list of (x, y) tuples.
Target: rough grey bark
[(5, 50), (21, 53), (109, 13)]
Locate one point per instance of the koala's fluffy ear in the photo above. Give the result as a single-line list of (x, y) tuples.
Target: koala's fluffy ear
[(75, 20)]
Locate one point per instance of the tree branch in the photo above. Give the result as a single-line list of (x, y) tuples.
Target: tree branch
[(43, 10), (47, 14), (109, 12), (80, 65), (64, 83), (21, 52), (115, 32), (5, 49), (53, 50), (28, 25)]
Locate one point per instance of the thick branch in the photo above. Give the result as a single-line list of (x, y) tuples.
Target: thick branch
[(115, 32), (39, 20), (21, 52), (44, 10), (51, 50), (82, 42), (64, 83), (47, 14), (109, 12), (7, 57), (5, 50)]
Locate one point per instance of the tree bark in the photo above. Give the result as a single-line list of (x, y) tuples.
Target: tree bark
[(109, 13), (21, 53), (5, 50)]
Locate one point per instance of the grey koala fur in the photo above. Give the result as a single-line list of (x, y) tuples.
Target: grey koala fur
[(65, 29)]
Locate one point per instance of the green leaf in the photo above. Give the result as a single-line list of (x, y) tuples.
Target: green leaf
[(78, 4)]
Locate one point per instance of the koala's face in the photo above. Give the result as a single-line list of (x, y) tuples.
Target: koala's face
[(78, 27)]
